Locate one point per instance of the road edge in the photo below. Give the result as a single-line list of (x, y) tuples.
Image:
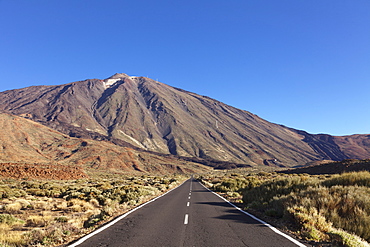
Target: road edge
[(259, 220), (111, 223)]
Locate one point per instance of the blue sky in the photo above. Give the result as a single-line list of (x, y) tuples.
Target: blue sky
[(303, 64)]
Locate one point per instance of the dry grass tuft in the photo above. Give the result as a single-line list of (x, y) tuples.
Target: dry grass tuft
[(11, 238), (12, 208), (77, 205), (38, 221)]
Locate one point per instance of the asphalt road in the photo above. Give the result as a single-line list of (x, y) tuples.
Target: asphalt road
[(190, 215)]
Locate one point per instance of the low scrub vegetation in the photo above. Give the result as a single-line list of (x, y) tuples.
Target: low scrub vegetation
[(322, 208), (51, 213)]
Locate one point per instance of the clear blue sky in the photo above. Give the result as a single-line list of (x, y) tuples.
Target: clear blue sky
[(303, 64)]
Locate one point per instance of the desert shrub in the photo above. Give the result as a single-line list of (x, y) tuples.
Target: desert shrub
[(63, 206), (117, 194), (264, 174), (103, 193), (213, 180), (339, 201), (104, 186), (343, 238), (38, 221), (7, 191), (349, 179), (25, 204), (36, 192), (61, 219), (110, 208), (103, 200), (84, 193), (272, 212), (107, 211), (11, 239), (350, 209), (43, 205), (125, 194), (94, 202), (77, 205), (12, 208), (9, 219), (231, 184), (347, 207), (55, 192), (31, 184), (38, 188), (160, 187), (51, 235), (35, 237), (267, 191), (132, 195), (165, 181), (93, 220), (49, 192), (312, 225), (52, 187)]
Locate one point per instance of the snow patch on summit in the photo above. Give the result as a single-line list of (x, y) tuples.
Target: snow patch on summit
[(109, 82)]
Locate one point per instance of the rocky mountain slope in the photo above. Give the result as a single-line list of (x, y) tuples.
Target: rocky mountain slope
[(29, 149), (156, 117)]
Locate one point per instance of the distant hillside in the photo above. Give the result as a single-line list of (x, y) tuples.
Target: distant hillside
[(29, 149), (336, 167), (156, 117)]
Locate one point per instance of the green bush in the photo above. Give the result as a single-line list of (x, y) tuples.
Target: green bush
[(61, 219), (7, 191), (93, 220), (9, 219)]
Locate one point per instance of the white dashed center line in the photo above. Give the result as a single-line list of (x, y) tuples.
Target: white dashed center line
[(188, 204), (186, 219)]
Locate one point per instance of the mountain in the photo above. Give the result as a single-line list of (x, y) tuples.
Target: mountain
[(29, 149), (156, 117)]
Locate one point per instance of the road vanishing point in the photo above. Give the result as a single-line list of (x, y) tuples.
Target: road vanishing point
[(190, 215)]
